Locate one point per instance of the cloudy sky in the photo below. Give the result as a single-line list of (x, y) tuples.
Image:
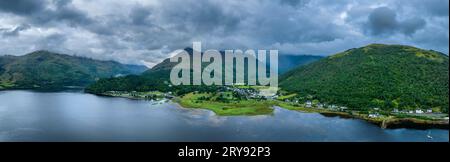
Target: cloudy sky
[(145, 31)]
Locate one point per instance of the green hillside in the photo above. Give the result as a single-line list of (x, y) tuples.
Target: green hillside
[(383, 76), (47, 70)]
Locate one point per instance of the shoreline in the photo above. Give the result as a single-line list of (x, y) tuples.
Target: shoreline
[(391, 122), (395, 123)]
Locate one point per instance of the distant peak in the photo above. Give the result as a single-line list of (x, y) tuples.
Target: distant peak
[(40, 52)]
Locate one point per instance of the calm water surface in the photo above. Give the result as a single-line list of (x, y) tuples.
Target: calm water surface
[(75, 116)]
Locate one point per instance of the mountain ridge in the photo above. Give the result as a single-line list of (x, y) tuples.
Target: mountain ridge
[(48, 70)]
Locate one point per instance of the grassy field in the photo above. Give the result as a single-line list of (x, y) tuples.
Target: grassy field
[(287, 96), (6, 85), (241, 107), (231, 108)]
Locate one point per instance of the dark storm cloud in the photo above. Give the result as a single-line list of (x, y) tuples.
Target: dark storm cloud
[(139, 31), (383, 20), (37, 11), (140, 15), (22, 7), (410, 26), (197, 17), (64, 12)]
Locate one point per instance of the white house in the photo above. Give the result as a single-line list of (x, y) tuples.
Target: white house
[(320, 105), (308, 104), (418, 111), (333, 106), (429, 111), (374, 115)]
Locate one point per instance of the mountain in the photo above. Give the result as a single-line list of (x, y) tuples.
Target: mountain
[(288, 62), (375, 76), (47, 70), (157, 78)]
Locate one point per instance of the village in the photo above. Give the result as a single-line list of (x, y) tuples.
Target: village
[(251, 93), (238, 93)]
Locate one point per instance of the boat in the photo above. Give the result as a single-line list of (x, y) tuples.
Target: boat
[(429, 135)]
